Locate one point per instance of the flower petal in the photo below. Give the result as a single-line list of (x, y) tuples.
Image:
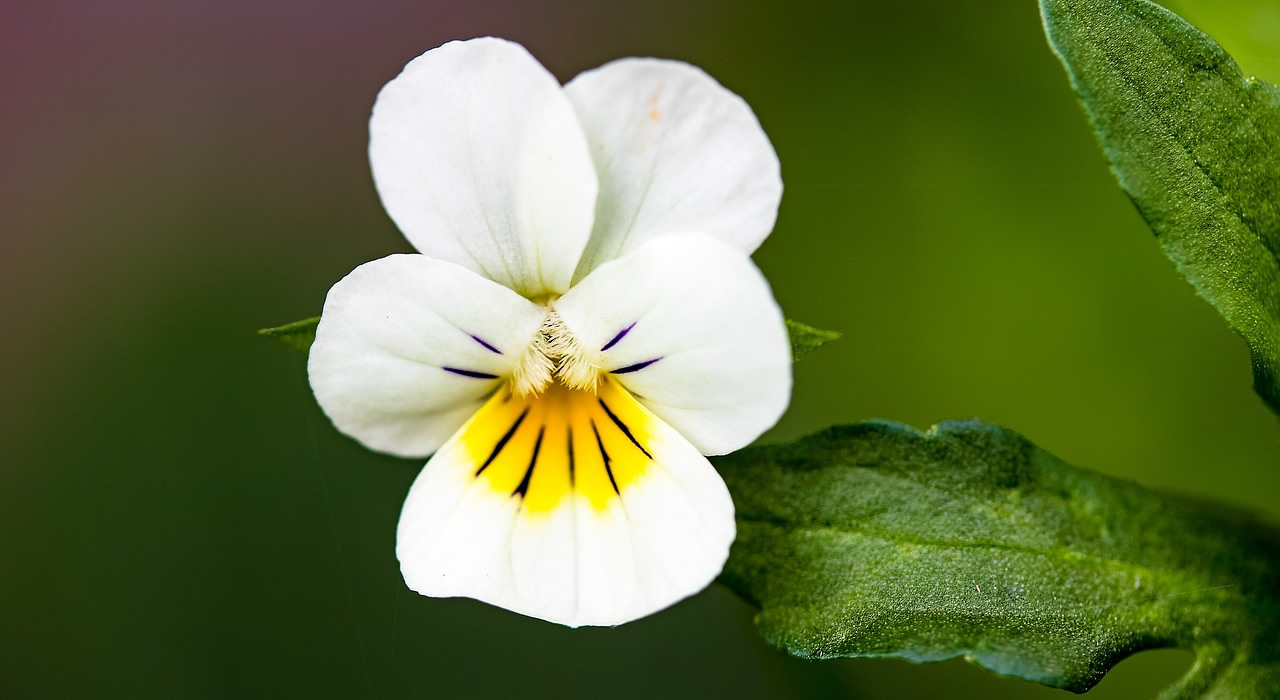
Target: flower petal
[(676, 152), (408, 348), (480, 160), (573, 507), (688, 324)]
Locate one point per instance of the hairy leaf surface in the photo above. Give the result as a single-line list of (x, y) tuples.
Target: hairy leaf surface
[(878, 540), (1196, 145)]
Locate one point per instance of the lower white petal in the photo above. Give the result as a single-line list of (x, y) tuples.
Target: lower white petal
[(574, 507)]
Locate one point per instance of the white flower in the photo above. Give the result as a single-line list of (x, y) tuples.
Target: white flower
[(582, 326)]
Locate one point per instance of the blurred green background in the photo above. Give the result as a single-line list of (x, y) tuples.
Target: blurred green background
[(177, 518)]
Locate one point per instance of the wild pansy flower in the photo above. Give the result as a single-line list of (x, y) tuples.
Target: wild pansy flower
[(582, 325)]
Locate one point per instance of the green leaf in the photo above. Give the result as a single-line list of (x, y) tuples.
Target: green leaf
[(806, 339), (1197, 147), (299, 336), (878, 540)]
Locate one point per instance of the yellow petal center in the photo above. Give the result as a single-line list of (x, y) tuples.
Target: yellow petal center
[(544, 447)]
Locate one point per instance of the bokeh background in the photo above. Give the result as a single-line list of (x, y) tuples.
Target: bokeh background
[(177, 518)]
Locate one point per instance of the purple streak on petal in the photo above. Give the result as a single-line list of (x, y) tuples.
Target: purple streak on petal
[(470, 373), (621, 334), (634, 368), (487, 346)]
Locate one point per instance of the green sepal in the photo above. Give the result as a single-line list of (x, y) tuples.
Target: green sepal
[(298, 335), (805, 339)]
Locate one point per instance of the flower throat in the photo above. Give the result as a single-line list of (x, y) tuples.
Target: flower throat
[(554, 355)]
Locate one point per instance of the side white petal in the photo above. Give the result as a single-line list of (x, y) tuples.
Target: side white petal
[(688, 324), (408, 348), (676, 153), (602, 534), (480, 160)]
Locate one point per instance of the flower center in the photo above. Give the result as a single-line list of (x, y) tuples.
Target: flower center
[(554, 355)]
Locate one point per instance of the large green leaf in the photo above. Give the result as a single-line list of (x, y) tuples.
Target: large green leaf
[(299, 336), (878, 540), (1197, 147)]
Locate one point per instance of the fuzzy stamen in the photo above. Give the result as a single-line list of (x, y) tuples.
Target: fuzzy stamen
[(554, 355)]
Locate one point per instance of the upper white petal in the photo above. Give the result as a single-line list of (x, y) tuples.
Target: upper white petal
[(676, 153), (703, 318), (480, 160), (388, 331)]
